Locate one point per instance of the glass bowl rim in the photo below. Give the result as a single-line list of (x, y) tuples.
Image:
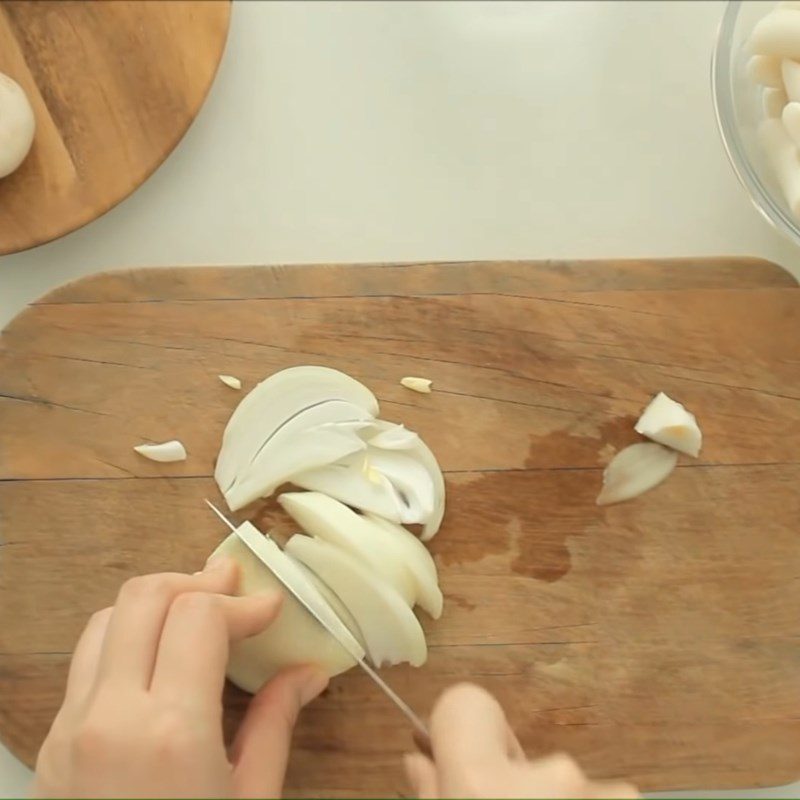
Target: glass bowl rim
[(722, 94)]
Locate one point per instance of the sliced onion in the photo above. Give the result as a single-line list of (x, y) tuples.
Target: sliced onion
[(409, 477), (332, 599), (404, 486), (304, 442), (275, 401), (392, 437), (635, 470), (417, 560), (391, 631), (327, 519), (349, 481)]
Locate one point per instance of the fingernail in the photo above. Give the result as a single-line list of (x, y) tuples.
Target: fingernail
[(314, 682)]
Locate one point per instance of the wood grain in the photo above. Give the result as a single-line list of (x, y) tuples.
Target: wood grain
[(114, 87), (658, 639)]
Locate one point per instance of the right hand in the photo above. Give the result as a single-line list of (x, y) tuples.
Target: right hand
[(476, 754)]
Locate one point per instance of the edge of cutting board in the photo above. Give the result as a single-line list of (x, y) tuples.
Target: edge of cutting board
[(524, 277)]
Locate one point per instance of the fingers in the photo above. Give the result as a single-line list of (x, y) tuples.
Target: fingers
[(83, 667), (467, 727), (134, 631), (421, 775), (193, 652), (261, 749)]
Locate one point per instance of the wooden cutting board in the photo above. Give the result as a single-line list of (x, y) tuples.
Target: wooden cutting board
[(657, 640), (114, 86)]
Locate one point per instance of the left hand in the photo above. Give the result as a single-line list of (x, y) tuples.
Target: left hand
[(142, 714)]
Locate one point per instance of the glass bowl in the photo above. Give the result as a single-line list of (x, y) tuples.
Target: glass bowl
[(738, 106)]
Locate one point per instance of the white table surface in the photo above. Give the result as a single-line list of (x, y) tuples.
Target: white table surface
[(349, 131)]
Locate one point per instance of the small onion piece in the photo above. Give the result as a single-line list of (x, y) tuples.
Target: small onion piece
[(231, 381), (421, 385), (667, 422), (166, 452)]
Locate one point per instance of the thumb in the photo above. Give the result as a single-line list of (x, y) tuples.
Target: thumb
[(261, 749)]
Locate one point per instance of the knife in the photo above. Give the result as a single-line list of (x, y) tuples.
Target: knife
[(254, 541)]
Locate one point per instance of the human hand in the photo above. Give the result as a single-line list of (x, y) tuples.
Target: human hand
[(142, 713), (476, 754)]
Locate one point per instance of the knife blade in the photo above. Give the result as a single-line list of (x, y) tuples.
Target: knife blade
[(253, 539)]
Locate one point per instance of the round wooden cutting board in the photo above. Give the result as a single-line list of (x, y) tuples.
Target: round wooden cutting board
[(114, 86)]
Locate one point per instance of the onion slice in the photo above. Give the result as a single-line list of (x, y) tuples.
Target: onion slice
[(327, 519), (635, 470), (417, 560), (391, 631)]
